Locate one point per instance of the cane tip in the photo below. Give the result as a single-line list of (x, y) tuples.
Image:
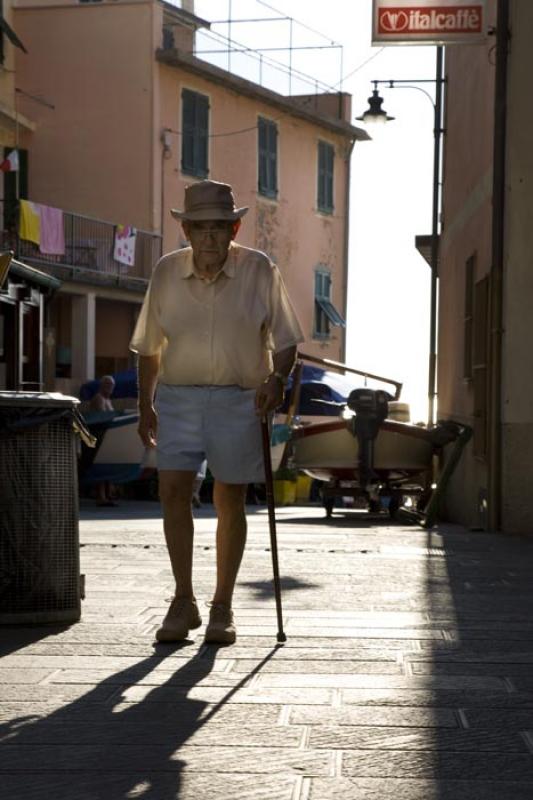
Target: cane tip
[(281, 637)]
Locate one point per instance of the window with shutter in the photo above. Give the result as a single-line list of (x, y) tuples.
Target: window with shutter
[(194, 133), (267, 146), (325, 312), (326, 159)]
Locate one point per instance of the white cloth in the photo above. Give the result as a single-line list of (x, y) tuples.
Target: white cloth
[(124, 250)]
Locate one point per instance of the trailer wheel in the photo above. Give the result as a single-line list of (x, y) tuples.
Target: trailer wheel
[(423, 499), (394, 506)]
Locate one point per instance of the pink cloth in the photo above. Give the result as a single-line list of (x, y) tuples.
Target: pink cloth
[(52, 231)]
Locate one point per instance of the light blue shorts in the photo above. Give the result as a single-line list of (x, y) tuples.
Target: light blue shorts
[(214, 422)]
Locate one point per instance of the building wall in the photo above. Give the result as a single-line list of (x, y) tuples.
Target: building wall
[(93, 63), (466, 233), (517, 383), (290, 229), (467, 230), (99, 152), (114, 329), (7, 84)]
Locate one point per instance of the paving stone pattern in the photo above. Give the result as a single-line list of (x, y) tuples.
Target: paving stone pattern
[(407, 673)]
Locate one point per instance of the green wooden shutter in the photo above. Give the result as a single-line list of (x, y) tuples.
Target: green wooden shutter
[(195, 133), (326, 156), (267, 145), (202, 128)]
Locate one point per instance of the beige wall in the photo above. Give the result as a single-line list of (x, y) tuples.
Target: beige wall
[(466, 210), (114, 328), (92, 154), (289, 229), (466, 232)]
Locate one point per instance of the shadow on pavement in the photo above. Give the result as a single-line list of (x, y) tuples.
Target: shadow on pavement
[(120, 740), (342, 518), (263, 589), (18, 637), (479, 666)]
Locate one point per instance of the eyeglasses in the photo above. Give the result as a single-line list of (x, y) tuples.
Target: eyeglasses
[(216, 229)]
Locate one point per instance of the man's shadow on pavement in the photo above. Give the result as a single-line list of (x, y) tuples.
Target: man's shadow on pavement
[(102, 746)]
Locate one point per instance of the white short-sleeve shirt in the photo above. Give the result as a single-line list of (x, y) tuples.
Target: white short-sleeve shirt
[(220, 332)]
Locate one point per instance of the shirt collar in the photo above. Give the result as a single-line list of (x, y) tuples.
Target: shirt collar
[(187, 267)]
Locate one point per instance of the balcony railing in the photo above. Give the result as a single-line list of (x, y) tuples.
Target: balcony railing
[(90, 245)]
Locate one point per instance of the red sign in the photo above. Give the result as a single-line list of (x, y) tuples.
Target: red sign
[(428, 23)]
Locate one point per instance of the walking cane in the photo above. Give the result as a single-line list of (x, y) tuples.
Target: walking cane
[(269, 485)]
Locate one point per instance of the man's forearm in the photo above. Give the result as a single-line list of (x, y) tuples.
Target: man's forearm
[(148, 369)]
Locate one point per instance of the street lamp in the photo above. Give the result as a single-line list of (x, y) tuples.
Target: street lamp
[(375, 113)]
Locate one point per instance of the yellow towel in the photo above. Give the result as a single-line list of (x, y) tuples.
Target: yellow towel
[(30, 222)]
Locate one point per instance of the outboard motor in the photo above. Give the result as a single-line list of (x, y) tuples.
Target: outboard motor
[(371, 407)]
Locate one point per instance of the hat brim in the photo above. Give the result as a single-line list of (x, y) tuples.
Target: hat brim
[(209, 214)]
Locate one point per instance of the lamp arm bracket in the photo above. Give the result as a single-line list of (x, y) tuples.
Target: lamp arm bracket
[(419, 89)]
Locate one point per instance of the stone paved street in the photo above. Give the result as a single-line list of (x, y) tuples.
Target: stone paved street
[(407, 674)]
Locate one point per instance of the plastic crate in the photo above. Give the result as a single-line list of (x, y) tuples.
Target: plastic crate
[(284, 492)]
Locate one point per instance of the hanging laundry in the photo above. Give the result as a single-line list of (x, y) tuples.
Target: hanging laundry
[(52, 231), (124, 250), (11, 162), (30, 222)]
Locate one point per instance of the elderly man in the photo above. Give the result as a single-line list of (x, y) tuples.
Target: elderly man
[(216, 340)]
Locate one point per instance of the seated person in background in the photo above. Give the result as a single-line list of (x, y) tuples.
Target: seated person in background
[(101, 401)]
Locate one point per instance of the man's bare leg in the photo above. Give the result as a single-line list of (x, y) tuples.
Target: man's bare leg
[(175, 492), (229, 500)]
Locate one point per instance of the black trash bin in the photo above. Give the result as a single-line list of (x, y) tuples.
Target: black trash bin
[(39, 529)]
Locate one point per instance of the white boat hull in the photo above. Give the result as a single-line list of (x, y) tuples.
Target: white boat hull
[(328, 450)]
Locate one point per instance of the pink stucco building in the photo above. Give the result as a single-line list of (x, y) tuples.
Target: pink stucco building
[(125, 117)]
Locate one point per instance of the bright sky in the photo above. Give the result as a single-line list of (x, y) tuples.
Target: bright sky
[(391, 192)]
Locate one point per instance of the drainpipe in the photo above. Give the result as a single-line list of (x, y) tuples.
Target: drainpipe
[(346, 243), (433, 321), (497, 268)]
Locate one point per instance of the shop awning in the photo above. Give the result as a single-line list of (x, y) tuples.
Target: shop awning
[(33, 275)]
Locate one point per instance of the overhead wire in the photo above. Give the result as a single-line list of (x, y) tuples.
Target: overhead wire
[(298, 22), (217, 37), (267, 59), (364, 63)]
